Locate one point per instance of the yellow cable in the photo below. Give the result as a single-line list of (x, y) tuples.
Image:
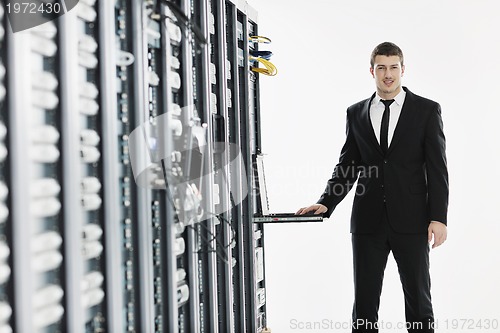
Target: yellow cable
[(270, 69), (260, 39)]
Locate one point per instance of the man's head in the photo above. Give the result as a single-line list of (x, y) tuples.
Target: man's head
[(387, 49), (387, 69)]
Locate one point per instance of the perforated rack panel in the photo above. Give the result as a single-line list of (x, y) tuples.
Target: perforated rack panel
[(127, 130)]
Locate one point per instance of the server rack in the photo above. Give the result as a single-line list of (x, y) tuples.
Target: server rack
[(126, 150), (37, 181), (6, 295)]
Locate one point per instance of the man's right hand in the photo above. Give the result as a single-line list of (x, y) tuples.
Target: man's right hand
[(316, 209)]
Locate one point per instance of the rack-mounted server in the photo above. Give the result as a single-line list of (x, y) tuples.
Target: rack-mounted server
[(126, 134)]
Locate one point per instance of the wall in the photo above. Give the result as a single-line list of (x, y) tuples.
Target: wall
[(322, 51)]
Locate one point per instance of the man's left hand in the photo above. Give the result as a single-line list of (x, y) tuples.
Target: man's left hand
[(440, 233)]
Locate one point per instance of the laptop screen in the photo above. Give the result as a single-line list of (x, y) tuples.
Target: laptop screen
[(260, 186)]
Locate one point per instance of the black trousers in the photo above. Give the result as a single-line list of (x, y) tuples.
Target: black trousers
[(411, 252)]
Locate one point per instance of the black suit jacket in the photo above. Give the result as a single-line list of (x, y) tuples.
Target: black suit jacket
[(412, 178)]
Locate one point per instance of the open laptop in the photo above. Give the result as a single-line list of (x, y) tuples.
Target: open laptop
[(262, 215)]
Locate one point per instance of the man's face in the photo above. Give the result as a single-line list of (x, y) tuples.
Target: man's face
[(387, 72)]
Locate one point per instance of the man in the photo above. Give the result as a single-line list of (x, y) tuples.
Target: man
[(395, 149)]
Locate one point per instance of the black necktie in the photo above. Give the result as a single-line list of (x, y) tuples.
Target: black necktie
[(384, 127)]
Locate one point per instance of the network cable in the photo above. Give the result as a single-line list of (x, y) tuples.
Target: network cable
[(220, 249), (260, 39), (270, 69), (261, 54), (181, 17)]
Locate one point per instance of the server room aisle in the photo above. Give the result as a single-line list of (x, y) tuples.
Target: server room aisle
[(127, 134)]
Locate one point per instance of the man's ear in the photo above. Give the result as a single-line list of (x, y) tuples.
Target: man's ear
[(371, 71), (402, 70)]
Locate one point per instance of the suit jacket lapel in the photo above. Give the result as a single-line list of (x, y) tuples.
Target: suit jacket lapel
[(405, 119)]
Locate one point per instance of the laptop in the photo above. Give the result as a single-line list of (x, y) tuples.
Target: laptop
[(262, 203)]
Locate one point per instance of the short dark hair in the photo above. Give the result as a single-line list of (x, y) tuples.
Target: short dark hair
[(386, 49)]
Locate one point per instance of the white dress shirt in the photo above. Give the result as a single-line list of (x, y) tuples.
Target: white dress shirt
[(377, 110)]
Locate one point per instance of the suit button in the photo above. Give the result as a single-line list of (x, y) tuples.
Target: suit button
[(382, 186), (385, 161)]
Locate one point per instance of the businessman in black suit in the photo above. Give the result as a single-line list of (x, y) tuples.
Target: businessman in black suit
[(395, 149)]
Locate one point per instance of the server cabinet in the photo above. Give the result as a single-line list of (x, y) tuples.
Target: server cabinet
[(6, 294), (127, 130), (235, 105), (37, 158)]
